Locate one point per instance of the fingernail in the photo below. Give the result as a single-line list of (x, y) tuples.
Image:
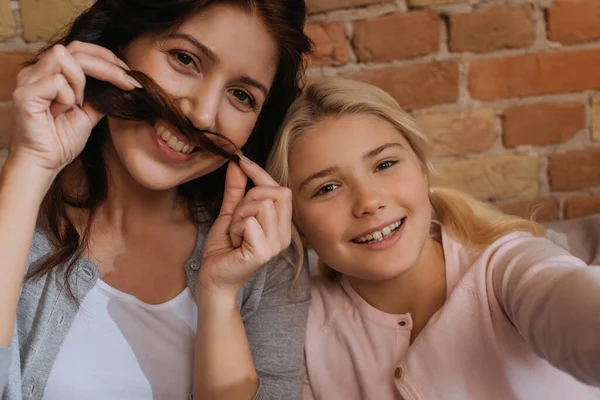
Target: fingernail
[(245, 159), (134, 82)]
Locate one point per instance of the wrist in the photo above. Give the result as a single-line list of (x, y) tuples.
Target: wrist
[(21, 174), (211, 295)]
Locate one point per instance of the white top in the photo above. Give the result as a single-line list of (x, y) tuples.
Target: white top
[(122, 348)]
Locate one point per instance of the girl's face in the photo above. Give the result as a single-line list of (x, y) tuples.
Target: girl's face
[(361, 196), (219, 65)]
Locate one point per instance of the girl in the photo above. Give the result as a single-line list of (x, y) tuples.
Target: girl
[(425, 293), (140, 284)]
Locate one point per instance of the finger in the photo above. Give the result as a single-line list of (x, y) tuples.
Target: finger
[(282, 198), (96, 51), (93, 117), (43, 94), (259, 176), (235, 189), (57, 60), (265, 213), (103, 70), (254, 245)]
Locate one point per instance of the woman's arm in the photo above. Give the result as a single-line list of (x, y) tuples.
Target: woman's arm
[(251, 230), (51, 124), (263, 353), (553, 299), (22, 188)]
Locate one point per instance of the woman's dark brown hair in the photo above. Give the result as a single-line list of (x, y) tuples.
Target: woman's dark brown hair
[(114, 24)]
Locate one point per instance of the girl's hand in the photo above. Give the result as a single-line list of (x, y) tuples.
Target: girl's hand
[(52, 120), (250, 230)]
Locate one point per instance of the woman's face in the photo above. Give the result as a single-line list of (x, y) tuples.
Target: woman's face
[(360, 196), (219, 66)]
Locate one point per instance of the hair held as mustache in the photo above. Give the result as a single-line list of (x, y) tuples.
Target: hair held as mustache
[(152, 103)]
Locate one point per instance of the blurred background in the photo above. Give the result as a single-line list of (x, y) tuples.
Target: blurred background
[(508, 90)]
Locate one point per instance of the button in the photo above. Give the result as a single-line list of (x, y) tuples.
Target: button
[(398, 372), (402, 323), (194, 265)]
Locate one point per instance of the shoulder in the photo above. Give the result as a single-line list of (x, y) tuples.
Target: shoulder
[(329, 301), (521, 246), (40, 245), (528, 249)]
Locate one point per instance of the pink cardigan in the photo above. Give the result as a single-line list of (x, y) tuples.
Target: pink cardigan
[(516, 316)]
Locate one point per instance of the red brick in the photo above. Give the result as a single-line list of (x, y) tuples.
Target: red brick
[(397, 36), (331, 45), (574, 21), (5, 124), (542, 210), (493, 29), (313, 6), (541, 124), (457, 133), (11, 62), (415, 85), (581, 206), (530, 75), (575, 170)]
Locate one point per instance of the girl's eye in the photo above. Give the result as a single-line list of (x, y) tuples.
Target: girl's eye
[(326, 189), (385, 165)]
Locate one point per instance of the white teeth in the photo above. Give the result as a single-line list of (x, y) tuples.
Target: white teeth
[(171, 140), (378, 236)]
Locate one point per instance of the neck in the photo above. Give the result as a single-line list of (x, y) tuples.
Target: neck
[(420, 290)]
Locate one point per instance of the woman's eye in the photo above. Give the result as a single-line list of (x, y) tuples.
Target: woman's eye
[(184, 58), (241, 95), (326, 189), (385, 165)]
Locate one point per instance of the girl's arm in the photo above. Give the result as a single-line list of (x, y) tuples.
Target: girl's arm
[(553, 299)]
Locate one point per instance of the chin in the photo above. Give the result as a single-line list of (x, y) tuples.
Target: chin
[(156, 176)]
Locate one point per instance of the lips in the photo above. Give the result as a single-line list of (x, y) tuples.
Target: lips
[(172, 140), (380, 233)]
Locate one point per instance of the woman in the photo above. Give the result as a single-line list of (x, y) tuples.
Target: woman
[(133, 289)]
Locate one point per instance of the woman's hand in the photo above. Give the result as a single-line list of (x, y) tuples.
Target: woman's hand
[(52, 120), (250, 230)]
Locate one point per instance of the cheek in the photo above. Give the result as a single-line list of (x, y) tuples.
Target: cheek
[(236, 125), (319, 226)]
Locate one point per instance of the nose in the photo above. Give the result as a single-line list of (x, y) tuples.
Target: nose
[(201, 105), (368, 200)]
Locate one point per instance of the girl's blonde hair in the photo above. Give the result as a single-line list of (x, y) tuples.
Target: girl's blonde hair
[(474, 223)]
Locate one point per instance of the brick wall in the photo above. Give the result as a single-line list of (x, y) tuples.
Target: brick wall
[(508, 90)]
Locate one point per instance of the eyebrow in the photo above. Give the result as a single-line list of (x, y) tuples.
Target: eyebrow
[(373, 153), (215, 59), (380, 149), (197, 44), (317, 175), (249, 81)]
